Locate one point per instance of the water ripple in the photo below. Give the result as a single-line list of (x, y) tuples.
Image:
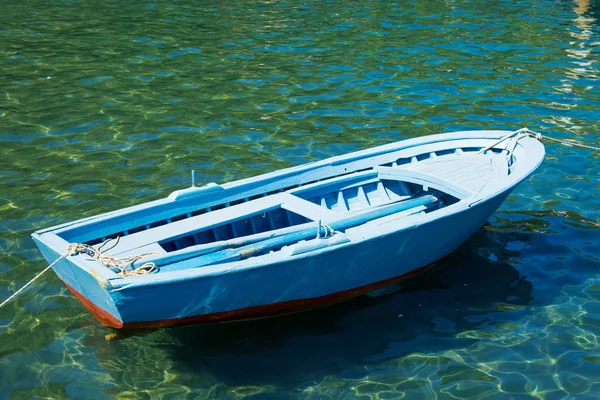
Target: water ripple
[(106, 107)]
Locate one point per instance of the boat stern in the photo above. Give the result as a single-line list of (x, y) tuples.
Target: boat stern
[(90, 285)]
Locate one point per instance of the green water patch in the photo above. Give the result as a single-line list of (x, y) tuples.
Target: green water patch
[(104, 106)]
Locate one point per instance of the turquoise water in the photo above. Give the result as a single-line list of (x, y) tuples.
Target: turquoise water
[(109, 104)]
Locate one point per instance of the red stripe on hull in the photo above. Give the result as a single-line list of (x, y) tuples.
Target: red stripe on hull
[(101, 315), (266, 310)]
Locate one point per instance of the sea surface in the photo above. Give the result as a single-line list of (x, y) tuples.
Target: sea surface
[(108, 104)]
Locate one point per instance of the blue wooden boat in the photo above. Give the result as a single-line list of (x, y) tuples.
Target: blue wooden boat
[(292, 239)]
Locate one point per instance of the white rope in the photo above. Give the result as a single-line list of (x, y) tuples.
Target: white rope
[(524, 132), (108, 261), (15, 294), (329, 231), (502, 139), (571, 143), (514, 146)]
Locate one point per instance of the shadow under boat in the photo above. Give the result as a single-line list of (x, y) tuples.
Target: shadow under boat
[(459, 293)]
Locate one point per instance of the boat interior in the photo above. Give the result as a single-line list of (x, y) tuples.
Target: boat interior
[(424, 182)]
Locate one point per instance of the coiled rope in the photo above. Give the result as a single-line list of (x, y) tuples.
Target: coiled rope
[(121, 264)]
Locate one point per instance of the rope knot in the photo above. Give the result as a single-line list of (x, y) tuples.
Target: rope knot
[(76, 248), (329, 231), (124, 265)]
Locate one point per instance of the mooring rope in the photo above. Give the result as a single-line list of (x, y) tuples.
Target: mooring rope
[(568, 142), (524, 132), (15, 294), (122, 264)]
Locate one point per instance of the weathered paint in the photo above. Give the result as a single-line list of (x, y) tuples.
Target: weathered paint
[(101, 315)]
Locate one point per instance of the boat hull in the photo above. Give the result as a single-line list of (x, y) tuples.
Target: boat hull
[(290, 286), (252, 312)]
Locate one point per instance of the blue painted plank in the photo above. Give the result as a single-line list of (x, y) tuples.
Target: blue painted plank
[(345, 222), (205, 221)]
